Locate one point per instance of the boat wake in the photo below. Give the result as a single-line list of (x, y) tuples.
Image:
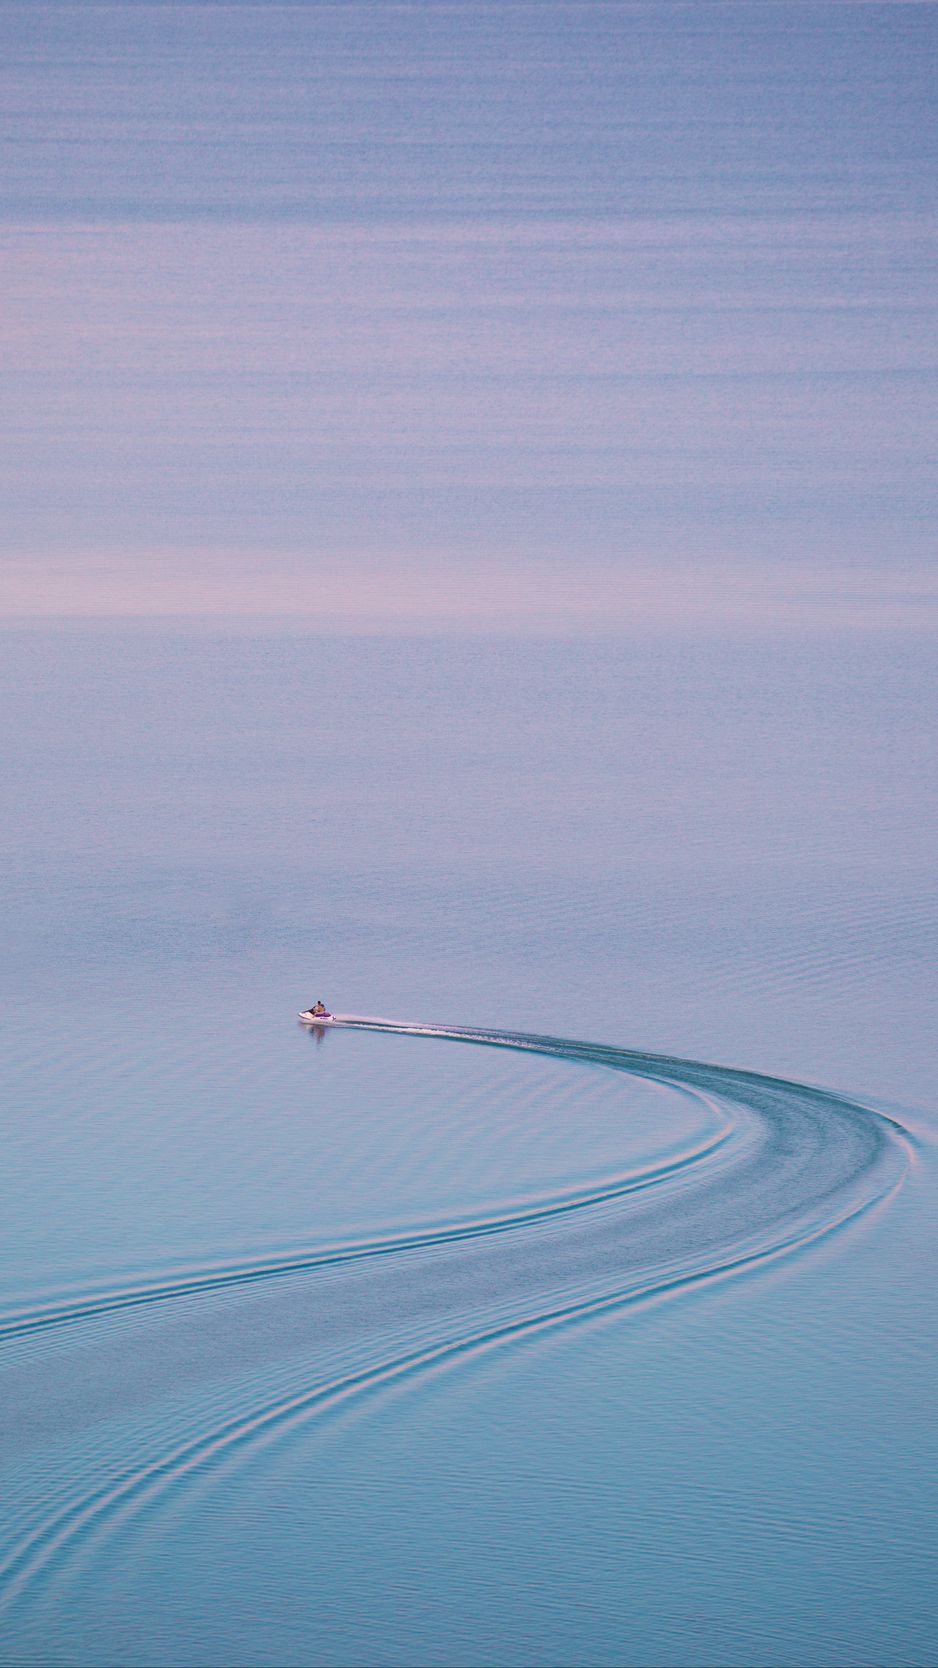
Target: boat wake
[(221, 1360)]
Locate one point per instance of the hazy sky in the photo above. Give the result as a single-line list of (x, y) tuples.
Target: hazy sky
[(500, 313)]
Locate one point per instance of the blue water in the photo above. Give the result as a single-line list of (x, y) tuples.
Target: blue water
[(447, 1338)]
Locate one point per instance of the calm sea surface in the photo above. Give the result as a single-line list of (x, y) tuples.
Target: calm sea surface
[(387, 1347)]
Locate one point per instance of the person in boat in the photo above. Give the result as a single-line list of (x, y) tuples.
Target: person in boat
[(319, 1008)]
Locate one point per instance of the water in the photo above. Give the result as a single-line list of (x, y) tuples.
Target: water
[(392, 1347)]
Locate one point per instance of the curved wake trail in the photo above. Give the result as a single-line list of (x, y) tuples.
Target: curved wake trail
[(790, 1166), (95, 1306)]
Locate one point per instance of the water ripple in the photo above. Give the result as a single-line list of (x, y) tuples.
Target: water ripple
[(787, 1166)]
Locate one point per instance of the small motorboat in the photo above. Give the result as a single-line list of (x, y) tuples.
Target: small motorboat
[(317, 1015)]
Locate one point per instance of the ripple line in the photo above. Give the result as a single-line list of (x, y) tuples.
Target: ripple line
[(34, 1556), (841, 1159), (17, 1323)]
